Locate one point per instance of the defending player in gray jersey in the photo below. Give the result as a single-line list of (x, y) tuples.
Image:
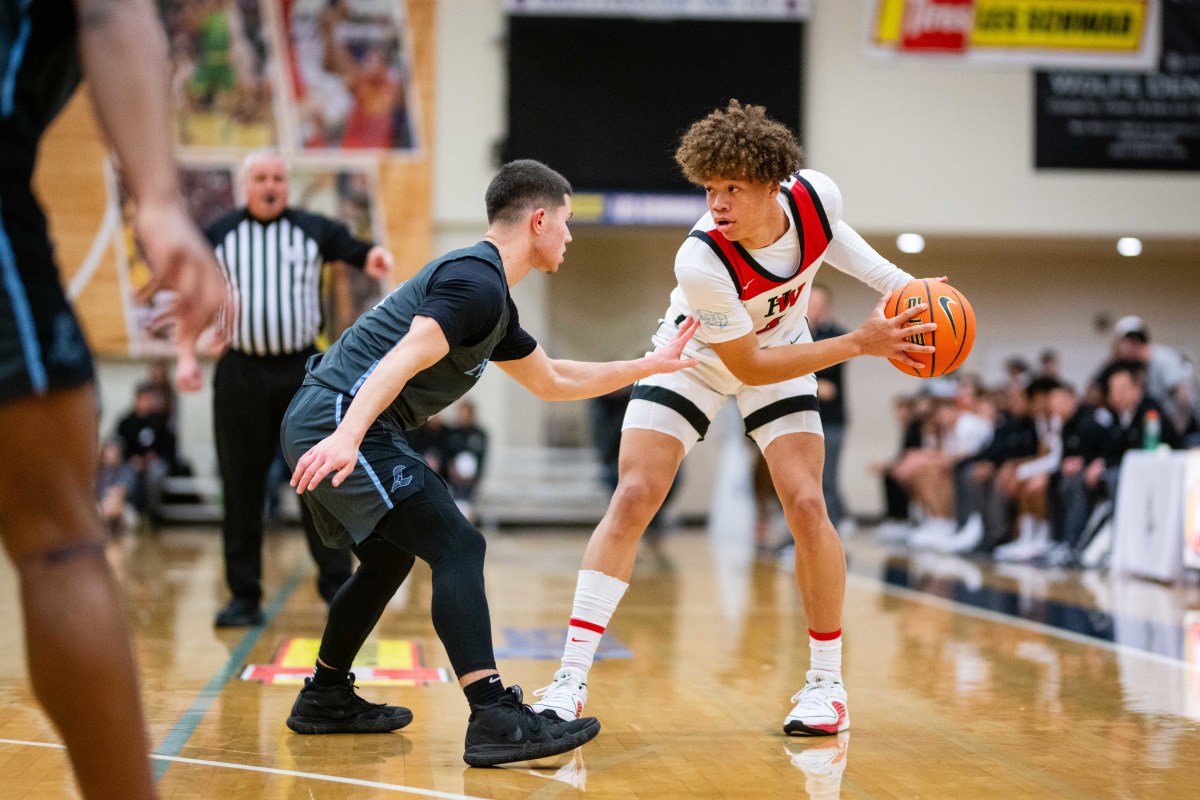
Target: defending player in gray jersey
[(419, 350)]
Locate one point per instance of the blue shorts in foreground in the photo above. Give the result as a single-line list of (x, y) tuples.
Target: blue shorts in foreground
[(42, 348)]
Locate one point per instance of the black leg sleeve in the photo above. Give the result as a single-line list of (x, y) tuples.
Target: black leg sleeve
[(333, 564), (359, 604), (431, 527)]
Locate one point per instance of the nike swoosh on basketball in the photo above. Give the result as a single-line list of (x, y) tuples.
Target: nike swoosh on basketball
[(945, 303)]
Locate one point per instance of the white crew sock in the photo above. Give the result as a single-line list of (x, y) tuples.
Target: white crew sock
[(596, 598), (825, 652)]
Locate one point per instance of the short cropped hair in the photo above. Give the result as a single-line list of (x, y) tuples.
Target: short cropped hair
[(521, 186), (739, 143)]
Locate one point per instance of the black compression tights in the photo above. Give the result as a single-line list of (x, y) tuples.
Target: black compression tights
[(430, 527)]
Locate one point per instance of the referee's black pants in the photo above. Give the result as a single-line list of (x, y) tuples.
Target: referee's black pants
[(250, 396)]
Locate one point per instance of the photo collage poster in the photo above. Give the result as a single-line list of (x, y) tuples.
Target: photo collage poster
[(327, 83)]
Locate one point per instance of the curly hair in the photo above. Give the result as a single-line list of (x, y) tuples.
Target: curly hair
[(741, 143)]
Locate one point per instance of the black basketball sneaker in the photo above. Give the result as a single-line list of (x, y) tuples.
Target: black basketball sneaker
[(508, 730), (337, 709)]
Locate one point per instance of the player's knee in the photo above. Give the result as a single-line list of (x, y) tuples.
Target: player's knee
[(638, 496), (806, 509), (470, 546)]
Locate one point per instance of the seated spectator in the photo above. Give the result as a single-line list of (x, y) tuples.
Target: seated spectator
[(148, 448), (429, 442), (1132, 407), (1170, 379), (1071, 499), (1130, 420), (114, 486), (913, 416), (960, 431), (464, 447), (988, 509), (1028, 480)]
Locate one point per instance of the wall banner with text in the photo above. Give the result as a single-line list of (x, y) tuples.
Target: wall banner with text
[(1091, 34), (1123, 120)]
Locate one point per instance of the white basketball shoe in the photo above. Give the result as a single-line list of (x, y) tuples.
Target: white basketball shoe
[(820, 707), (564, 698)]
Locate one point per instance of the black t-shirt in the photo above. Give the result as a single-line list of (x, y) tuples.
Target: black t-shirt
[(465, 298), (832, 411)]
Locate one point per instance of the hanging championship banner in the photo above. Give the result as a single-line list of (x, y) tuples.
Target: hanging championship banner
[(1123, 120), (1108, 34)]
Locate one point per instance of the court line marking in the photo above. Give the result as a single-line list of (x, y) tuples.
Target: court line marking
[(178, 736), (1018, 622), (391, 787)]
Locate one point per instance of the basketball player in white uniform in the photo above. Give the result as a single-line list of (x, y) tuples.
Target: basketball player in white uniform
[(745, 272)]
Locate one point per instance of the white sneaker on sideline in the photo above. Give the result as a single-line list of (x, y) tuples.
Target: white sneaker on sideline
[(820, 706), (966, 538), (932, 533), (1030, 545), (564, 698)]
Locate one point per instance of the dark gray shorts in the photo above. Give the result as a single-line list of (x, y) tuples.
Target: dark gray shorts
[(388, 471)]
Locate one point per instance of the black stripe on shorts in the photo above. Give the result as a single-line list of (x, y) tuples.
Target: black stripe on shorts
[(781, 408), (676, 402)]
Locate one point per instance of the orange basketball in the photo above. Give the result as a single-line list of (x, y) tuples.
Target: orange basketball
[(955, 332)]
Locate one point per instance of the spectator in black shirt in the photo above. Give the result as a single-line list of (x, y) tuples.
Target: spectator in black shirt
[(1127, 401), (148, 445), (1084, 441), (465, 449)]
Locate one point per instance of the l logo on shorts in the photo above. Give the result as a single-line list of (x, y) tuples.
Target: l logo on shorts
[(399, 479)]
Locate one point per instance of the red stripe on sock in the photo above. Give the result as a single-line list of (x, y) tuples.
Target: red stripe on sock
[(825, 637), (587, 626)]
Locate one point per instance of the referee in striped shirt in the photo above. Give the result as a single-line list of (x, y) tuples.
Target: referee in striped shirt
[(272, 257)]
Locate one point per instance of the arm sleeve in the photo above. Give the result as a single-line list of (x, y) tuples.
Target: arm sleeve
[(338, 244), (710, 293), (465, 299), (517, 343), (849, 253)]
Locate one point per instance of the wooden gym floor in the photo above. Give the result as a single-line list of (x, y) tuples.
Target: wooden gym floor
[(966, 680)]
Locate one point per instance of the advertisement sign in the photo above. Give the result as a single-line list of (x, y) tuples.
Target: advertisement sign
[(1108, 34), (1127, 121)]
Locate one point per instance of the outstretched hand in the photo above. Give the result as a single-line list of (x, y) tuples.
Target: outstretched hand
[(336, 453), (669, 358), (182, 260), (892, 338)]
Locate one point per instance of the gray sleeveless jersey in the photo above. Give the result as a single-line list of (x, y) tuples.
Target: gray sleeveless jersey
[(352, 358)]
